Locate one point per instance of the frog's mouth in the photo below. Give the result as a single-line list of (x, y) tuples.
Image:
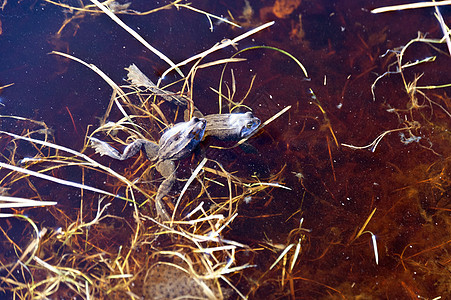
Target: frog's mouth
[(250, 127), (200, 130)]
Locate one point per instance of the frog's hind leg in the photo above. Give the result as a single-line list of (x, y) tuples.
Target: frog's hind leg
[(167, 170), (151, 150), (163, 190), (104, 149)]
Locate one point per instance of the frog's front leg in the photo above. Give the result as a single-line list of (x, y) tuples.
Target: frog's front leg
[(105, 149), (167, 170)]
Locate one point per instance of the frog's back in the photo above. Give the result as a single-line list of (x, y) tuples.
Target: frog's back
[(181, 139), (231, 126)]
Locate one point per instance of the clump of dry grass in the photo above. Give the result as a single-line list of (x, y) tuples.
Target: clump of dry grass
[(77, 259), (87, 256)]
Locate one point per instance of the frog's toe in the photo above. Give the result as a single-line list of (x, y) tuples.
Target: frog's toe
[(103, 148)]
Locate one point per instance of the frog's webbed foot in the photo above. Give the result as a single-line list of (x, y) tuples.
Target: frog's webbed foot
[(138, 78), (104, 149), (167, 170)]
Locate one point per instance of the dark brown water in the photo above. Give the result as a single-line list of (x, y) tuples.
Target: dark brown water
[(334, 189)]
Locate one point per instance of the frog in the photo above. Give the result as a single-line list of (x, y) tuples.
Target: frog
[(230, 126), (175, 144)]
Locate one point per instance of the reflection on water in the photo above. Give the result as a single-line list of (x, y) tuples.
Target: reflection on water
[(341, 200)]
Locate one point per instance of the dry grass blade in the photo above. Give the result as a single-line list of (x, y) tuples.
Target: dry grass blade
[(26, 119), (304, 70), (234, 288), (220, 62), (285, 251), (295, 256), (86, 8), (373, 145), (113, 5), (110, 14), (219, 46), (275, 116), (445, 29), (373, 237), (14, 202), (213, 249), (5, 86), (208, 15), (412, 88), (242, 141), (409, 6), (433, 87), (201, 219), (98, 217), (187, 184), (56, 180), (115, 87), (376, 253), (70, 274), (253, 185), (366, 223), (167, 6)]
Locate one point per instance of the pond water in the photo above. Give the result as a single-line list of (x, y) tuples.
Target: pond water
[(341, 201)]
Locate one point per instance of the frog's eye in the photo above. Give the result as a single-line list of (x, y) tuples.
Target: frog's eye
[(249, 125)]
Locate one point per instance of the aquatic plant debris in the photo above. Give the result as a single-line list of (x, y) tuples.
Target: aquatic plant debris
[(410, 6)]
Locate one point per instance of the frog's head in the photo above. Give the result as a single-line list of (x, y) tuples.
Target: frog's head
[(246, 123)]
